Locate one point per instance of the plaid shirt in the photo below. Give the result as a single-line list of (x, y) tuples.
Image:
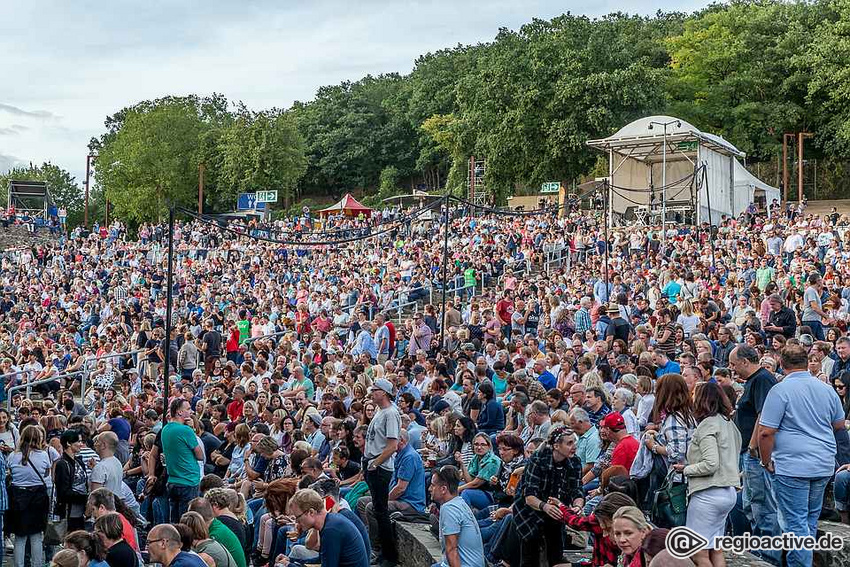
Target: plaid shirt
[(4, 497), (536, 390), (583, 322), (544, 478), (675, 435), (605, 552)]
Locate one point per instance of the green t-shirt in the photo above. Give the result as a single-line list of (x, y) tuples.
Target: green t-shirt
[(310, 389), (469, 277), (223, 535), (244, 330), (178, 446)]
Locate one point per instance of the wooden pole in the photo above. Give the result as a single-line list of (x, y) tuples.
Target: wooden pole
[(800, 167), (201, 188), (88, 175), (785, 168)]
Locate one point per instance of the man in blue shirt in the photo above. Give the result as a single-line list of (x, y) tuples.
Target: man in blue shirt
[(543, 375), (341, 542), (665, 365), (382, 338), (460, 536), (407, 487), (365, 343), (798, 424)]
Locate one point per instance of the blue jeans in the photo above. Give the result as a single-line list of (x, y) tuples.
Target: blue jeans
[(476, 499), (759, 502), (799, 502), (258, 508), (842, 491), (179, 497)]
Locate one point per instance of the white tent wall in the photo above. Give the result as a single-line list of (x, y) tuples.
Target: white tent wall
[(676, 171), (719, 177), (632, 174)]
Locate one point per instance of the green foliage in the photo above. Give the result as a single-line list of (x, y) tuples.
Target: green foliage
[(63, 187), (526, 102), (262, 150)]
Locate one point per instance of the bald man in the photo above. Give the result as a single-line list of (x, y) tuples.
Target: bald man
[(164, 547)]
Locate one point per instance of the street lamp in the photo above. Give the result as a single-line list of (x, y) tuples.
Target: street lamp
[(664, 125), (89, 159)]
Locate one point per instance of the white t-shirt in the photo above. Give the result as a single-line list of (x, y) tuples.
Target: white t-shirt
[(108, 473)]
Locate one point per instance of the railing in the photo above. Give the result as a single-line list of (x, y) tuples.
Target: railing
[(84, 372)]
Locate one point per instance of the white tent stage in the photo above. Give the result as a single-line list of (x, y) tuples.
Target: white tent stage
[(704, 178)]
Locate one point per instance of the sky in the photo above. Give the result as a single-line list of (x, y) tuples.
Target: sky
[(66, 66)]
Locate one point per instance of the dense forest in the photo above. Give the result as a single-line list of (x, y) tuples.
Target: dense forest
[(526, 102)]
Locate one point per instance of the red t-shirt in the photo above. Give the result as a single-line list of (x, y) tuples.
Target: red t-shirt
[(234, 410), (129, 534), (624, 452), (391, 329), (232, 344), (505, 308)]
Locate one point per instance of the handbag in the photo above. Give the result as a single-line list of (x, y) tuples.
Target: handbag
[(56, 529), (670, 504)]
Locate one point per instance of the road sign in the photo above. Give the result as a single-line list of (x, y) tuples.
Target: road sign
[(248, 202), (267, 196), (551, 187)]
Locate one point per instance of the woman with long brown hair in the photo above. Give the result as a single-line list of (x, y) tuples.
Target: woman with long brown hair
[(672, 420)]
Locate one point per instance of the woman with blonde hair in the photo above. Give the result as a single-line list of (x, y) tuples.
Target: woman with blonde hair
[(592, 380), (629, 530), (687, 319)]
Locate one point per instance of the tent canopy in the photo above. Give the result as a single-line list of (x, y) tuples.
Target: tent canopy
[(349, 206)]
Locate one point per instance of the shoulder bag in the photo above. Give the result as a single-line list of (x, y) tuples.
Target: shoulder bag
[(56, 529)]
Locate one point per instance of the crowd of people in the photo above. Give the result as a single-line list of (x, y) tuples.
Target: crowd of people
[(550, 406)]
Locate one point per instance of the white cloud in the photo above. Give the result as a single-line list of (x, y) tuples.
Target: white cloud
[(82, 61)]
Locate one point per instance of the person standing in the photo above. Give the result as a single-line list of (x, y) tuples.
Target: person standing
[(460, 536), (797, 444), (379, 459), (552, 471), (813, 314), (182, 453), (758, 501), (712, 469)]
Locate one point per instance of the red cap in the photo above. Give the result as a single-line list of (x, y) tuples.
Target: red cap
[(613, 421)]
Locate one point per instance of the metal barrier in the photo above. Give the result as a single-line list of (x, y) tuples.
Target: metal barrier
[(29, 385), (84, 372)]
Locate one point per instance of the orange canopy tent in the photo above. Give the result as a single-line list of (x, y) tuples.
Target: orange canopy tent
[(348, 206)]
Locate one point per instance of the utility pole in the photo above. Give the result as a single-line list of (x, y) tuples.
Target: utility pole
[(800, 137), (201, 188), (88, 175), (785, 178)]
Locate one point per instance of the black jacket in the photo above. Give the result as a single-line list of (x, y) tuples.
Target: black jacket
[(66, 469), (786, 319)]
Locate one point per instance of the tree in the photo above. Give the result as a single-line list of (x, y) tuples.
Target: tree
[(737, 71), (262, 150), (152, 160)]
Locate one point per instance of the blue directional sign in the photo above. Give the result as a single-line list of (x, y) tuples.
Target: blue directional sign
[(248, 202)]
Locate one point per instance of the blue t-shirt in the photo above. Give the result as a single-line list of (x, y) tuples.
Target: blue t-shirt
[(342, 543), (121, 428), (547, 379), (671, 367), (184, 559), (358, 523), (408, 466), (456, 519), (803, 409)]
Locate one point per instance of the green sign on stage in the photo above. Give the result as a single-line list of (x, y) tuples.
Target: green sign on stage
[(551, 187), (267, 196), (687, 146)]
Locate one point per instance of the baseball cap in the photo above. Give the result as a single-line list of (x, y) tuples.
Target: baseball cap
[(383, 384), (614, 421), (468, 346), (418, 369), (440, 406)]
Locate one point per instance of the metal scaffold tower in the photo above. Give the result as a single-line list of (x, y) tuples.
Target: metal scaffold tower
[(477, 190)]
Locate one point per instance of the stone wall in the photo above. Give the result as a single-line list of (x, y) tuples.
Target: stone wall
[(417, 547)]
